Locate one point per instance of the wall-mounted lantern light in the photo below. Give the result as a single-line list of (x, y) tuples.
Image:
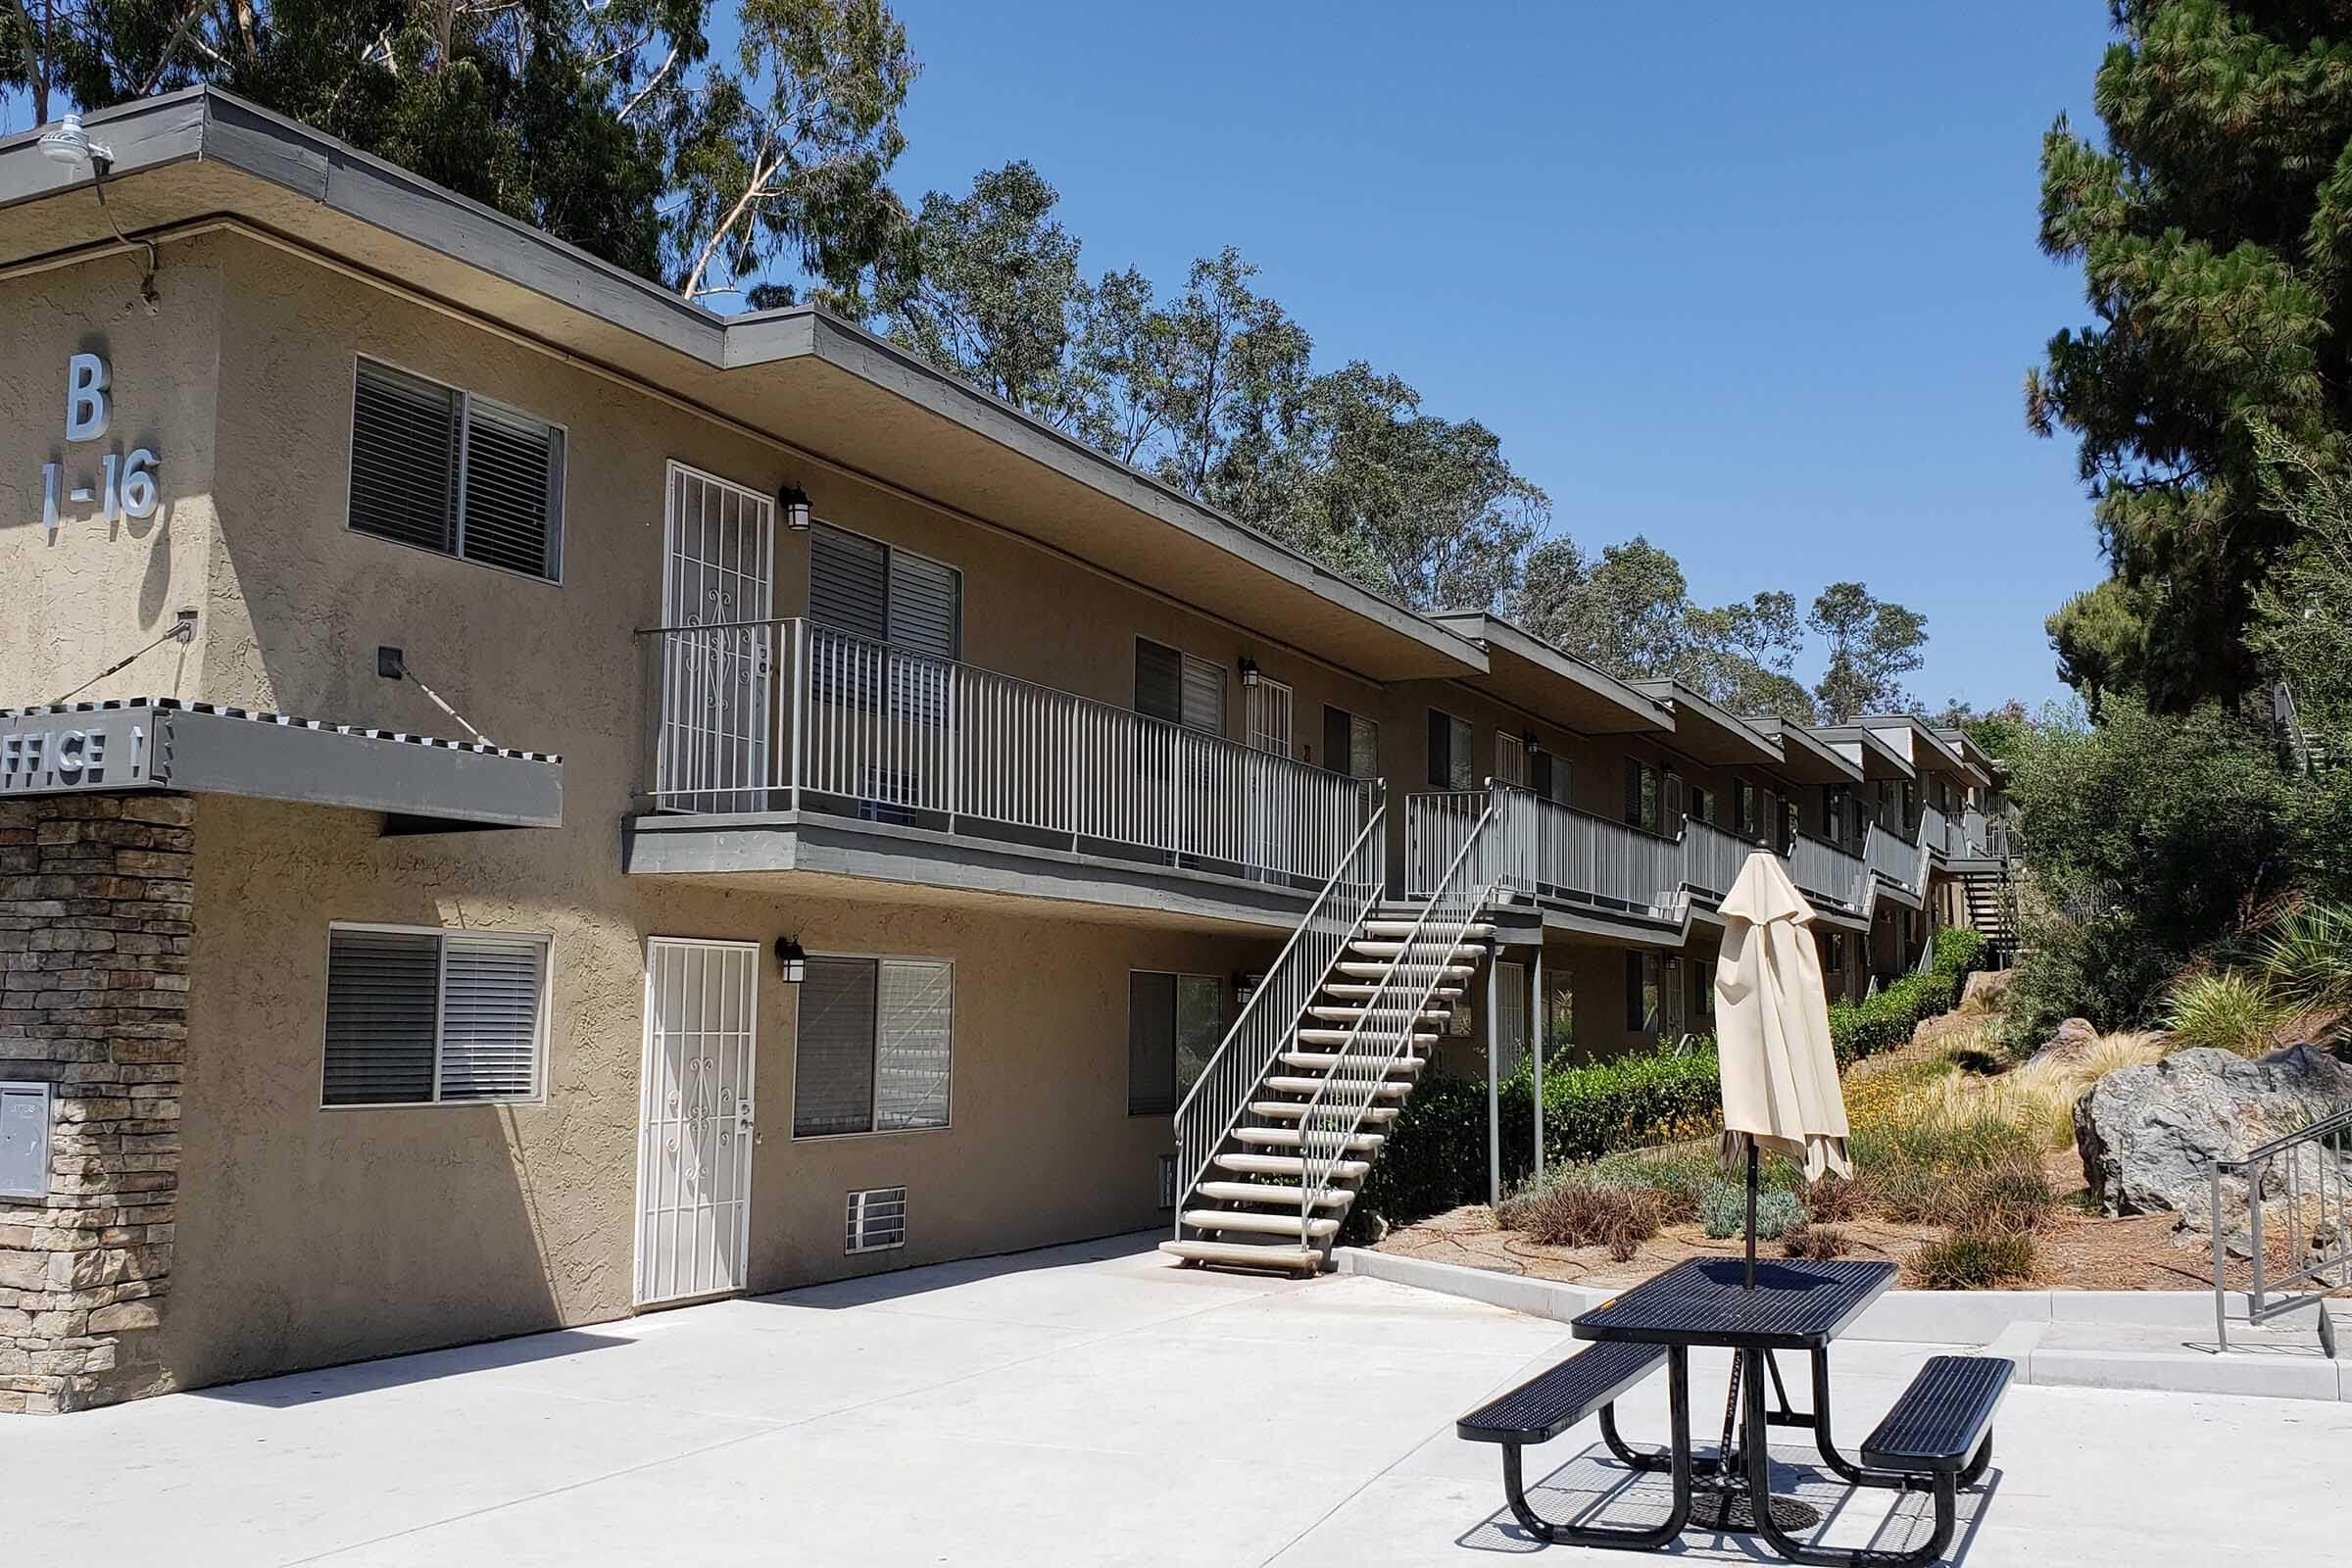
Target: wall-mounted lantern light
[(793, 502), (1249, 671), (793, 959), (1531, 744)]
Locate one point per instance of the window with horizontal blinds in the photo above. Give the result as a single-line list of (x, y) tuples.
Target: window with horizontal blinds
[(1350, 743), (926, 606), (514, 490), (833, 1052), (913, 1045), (849, 582), (1204, 696), (439, 468), (1451, 764), (404, 459), (1173, 685), (418, 1017), (490, 990), (875, 1049), (383, 1002)]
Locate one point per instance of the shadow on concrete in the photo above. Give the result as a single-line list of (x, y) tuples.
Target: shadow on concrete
[(399, 1371), (921, 1279), (1593, 1488)]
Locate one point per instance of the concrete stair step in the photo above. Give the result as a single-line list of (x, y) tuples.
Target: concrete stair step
[(1249, 1164), (1283, 1083), (1292, 1137), (1366, 990), (1257, 1223), (1271, 1193), (1389, 1014), (1329, 1059), (1376, 948), (1397, 930), (1290, 1109), (1241, 1254), (1379, 971), (1338, 1037)]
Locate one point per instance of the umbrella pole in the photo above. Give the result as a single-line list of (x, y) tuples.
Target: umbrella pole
[(1752, 1214)]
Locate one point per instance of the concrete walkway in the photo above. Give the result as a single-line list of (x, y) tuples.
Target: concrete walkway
[(1078, 1407)]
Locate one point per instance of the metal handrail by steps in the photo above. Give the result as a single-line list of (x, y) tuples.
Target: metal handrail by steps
[(2310, 1174), (1332, 1119), (1214, 1105)]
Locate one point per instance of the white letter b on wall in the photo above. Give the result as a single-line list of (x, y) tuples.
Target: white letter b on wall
[(85, 397)]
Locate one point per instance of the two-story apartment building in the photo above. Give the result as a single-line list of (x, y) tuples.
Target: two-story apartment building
[(522, 799)]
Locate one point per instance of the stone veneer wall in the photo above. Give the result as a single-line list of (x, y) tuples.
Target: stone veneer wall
[(94, 899)]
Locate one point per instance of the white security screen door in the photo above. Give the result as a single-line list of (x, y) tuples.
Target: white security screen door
[(719, 661), (694, 1142), (1273, 803)]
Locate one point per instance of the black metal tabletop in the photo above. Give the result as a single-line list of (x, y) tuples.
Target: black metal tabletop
[(1702, 1300)]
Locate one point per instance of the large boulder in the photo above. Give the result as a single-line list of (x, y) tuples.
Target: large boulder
[(2150, 1135), (2073, 1037), (1986, 990)]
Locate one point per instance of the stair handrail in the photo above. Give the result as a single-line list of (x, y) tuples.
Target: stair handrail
[(2322, 1181), (1329, 1123), (1264, 1028)]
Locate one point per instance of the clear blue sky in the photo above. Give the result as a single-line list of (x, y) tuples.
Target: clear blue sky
[(1761, 288)]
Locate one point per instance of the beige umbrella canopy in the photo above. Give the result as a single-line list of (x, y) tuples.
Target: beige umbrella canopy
[(1772, 1027)]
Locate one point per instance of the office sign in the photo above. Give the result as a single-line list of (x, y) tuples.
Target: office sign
[(47, 754)]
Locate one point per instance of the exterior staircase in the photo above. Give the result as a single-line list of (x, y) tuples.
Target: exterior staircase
[(1992, 910), (1275, 1138)]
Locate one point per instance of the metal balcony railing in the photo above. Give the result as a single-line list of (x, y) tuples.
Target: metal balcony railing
[(777, 715), (1544, 849), (1891, 858), (1712, 858), (1823, 870)]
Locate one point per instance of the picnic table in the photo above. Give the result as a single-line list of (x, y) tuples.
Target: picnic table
[(1935, 1439)]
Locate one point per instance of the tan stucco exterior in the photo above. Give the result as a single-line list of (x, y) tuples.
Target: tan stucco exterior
[(307, 1235)]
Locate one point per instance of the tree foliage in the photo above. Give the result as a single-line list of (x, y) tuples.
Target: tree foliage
[(2214, 230), (1872, 644)]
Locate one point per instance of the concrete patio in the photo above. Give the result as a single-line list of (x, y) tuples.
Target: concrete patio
[(1084, 1405)]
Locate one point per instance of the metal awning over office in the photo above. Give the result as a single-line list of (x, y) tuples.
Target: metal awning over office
[(197, 748)]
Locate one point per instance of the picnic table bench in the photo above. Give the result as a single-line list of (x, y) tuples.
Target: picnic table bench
[(1935, 1438)]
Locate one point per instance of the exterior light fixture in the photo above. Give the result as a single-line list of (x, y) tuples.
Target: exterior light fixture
[(1249, 671), (793, 959), (69, 143), (793, 500), (1531, 744)]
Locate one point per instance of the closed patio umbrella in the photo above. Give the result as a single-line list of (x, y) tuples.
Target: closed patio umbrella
[(1772, 1031)]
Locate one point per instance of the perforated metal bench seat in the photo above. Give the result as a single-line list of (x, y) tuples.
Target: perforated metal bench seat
[(1942, 1416), (1549, 1404)]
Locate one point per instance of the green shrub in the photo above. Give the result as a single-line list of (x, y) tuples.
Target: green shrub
[(1436, 1154), (2306, 959), (1973, 1260), (1723, 1211), (2225, 1008), (1925, 1170)]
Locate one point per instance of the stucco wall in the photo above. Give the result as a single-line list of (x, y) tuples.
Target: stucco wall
[(309, 1236), (94, 592)]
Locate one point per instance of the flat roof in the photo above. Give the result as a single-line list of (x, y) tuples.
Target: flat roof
[(1551, 684), (801, 378), (1805, 757), (1867, 750), (1709, 734)]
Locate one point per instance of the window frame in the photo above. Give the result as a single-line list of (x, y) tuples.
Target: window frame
[(890, 552), (1468, 733), (792, 1107), (562, 542), (543, 1029), (1347, 764), (1224, 988), (1185, 657)]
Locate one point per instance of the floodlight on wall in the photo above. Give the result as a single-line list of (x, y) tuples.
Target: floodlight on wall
[(793, 959), (69, 143), (793, 502)]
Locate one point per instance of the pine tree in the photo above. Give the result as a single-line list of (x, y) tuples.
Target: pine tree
[(2215, 233)]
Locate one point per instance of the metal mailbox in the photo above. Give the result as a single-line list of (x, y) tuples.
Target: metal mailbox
[(23, 1139)]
